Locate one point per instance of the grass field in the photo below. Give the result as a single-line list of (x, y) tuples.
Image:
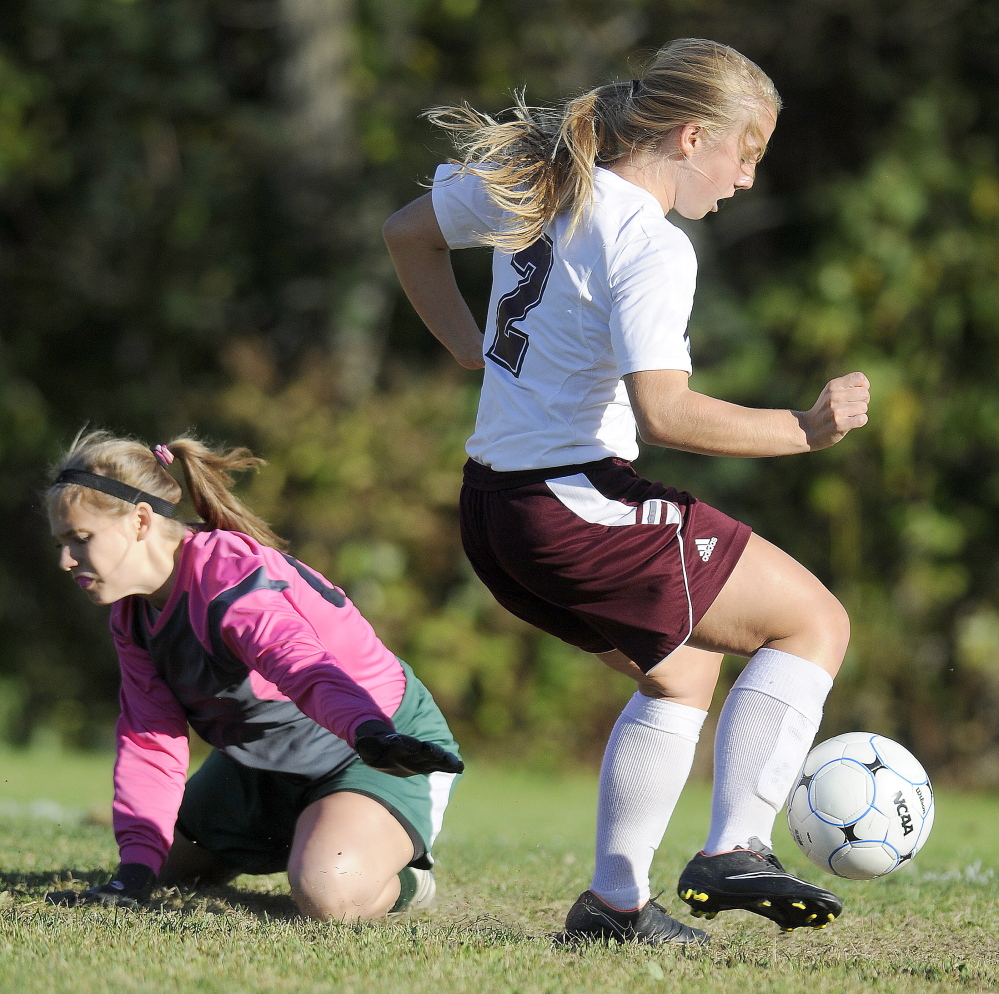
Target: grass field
[(515, 853)]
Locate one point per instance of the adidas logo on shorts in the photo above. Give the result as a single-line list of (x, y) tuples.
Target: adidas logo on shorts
[(705, 546)]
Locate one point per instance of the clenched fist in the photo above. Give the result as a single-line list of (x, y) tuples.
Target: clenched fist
[(841, 407)]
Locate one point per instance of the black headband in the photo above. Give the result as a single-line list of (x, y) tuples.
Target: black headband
[(115, 488)]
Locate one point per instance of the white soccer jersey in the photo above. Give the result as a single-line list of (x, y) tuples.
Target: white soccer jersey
[(568, 317)]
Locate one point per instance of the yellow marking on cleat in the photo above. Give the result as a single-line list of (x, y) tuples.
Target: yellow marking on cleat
[(790, 929), (690, 894), (812, 918), (798, 904), (763, 904), (831, 917), (824, 926)]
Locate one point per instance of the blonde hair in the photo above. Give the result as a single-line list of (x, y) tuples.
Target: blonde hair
[(540, 164), (207, 475)]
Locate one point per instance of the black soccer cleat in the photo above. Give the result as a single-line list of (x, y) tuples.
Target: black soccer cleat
[(589, 919), (752, 879)]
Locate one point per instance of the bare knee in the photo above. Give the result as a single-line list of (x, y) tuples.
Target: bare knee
[(824, 632), (834, 625), (340, 892), (840, 623)]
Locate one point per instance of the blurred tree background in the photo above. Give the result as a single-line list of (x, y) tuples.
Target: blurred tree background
[(191, 193)]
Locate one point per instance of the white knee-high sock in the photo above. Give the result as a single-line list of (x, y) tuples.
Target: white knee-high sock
[(645, 766), (764, 733)]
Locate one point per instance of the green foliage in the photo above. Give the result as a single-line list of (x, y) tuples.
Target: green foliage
[(902, 286), (190, 202)]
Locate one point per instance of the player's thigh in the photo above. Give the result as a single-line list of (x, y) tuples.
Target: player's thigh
[(244, 816), (770, 599), (347, 843)]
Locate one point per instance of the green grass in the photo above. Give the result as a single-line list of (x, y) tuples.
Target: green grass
[(516, 850)]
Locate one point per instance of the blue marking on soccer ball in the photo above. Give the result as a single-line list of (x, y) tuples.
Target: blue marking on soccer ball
[(861, 807)]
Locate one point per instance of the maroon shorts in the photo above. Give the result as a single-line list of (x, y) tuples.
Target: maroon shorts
[(597, 556)]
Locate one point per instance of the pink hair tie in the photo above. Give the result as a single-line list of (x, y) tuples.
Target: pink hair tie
[(164, 455)]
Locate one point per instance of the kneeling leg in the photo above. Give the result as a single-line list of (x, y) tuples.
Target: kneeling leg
[(347, 852), (190, 864)]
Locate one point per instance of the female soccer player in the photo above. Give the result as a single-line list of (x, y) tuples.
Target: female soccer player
[(586, 340), (217, 628)]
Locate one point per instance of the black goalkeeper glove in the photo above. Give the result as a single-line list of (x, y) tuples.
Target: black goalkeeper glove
[(383, 749), (130, 884)]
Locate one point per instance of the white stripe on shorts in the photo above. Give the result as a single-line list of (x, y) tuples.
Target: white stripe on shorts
[(686, 587), (583, 499), (440, 794)]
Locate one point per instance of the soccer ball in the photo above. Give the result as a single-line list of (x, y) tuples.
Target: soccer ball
[(861, 807)]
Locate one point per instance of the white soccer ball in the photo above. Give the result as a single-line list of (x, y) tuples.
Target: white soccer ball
[(861, 807)]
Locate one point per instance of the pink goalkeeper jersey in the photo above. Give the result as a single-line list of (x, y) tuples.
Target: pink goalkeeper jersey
[(264, 658)]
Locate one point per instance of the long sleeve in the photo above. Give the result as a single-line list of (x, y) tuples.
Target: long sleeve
[(266, 632), (152, 761)]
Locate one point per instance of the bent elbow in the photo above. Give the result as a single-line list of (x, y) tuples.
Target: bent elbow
[(645, 433), (660, 432), (649, 431), (392, 229)]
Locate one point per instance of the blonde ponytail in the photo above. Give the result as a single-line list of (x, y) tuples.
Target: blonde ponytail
[(207, 474), (535, 166), (539, 164)]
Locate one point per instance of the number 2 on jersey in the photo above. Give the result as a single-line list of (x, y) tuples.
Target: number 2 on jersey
[(532, 264)]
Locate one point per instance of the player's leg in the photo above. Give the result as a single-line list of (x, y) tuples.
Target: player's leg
[(651, 750), (687, 676), (189, 864), (770, 600), (645, 766), (362, 846), (216, 835), (346, 857), (651, 747), (796, 633)]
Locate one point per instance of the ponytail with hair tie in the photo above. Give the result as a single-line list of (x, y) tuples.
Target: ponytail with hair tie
[(163, 454), (208, 481), (125, 467)]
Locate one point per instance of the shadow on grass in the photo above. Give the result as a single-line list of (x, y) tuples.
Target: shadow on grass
[(213, 899), (223, 898), (179, 905), (46, 880)]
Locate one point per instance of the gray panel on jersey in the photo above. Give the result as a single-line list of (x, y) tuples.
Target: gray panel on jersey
[(215, 692)]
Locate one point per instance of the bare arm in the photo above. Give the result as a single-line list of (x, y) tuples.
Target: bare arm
[(670, 414), (422, 260)]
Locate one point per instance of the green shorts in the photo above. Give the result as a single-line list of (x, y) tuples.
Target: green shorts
[(246, 817)]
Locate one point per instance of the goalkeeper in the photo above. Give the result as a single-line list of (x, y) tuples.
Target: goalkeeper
[(330, 760)]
